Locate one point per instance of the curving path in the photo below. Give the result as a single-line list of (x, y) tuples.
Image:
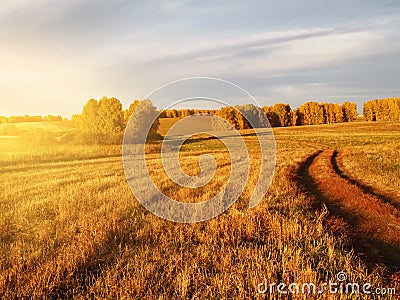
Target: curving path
[(373, 223)]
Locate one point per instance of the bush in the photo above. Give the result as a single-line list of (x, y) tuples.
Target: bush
[(37, 137), (85, 138), (154, 136)]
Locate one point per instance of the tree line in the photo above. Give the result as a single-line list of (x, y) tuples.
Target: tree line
[(241, 117), (26, 118), (279, 115), (103, 121), (181, 113), (311, 113), (382, 110)]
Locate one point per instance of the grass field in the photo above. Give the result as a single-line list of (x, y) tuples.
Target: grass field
[(70, 226), (52, 126)]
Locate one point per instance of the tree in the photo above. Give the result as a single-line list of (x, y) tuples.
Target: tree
[(350, 113), (295, 119), (272, 116), (311, 113), (242, 117), (89, 120), (111, 115), (128, 112), (232, 116), (101, 117), (101, 122), (382, 109), (338, 113), (283, 112), (252, 116), (143, 112), (329, 113)]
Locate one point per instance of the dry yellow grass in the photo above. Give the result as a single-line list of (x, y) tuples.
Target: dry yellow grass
[(70, 227), (166, 123), (377, 166), (52, 126)]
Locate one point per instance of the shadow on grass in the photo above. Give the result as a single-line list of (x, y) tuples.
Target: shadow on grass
[(366, 189), (371, 250)]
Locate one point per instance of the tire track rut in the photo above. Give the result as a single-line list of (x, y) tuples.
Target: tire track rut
[(373, 220)]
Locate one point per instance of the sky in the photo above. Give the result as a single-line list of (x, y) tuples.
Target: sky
[(55, 55)]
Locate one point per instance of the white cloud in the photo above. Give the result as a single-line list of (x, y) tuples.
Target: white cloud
[(78, 49), (313, 52)]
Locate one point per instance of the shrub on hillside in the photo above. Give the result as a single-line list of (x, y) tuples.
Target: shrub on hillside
[(37, 137)]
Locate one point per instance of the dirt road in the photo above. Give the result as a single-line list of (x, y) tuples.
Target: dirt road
[(372, 222)]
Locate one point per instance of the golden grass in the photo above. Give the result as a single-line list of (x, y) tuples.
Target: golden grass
[(52, 126), (377, 166), (166, 123), (374, 222), (70, 227)]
